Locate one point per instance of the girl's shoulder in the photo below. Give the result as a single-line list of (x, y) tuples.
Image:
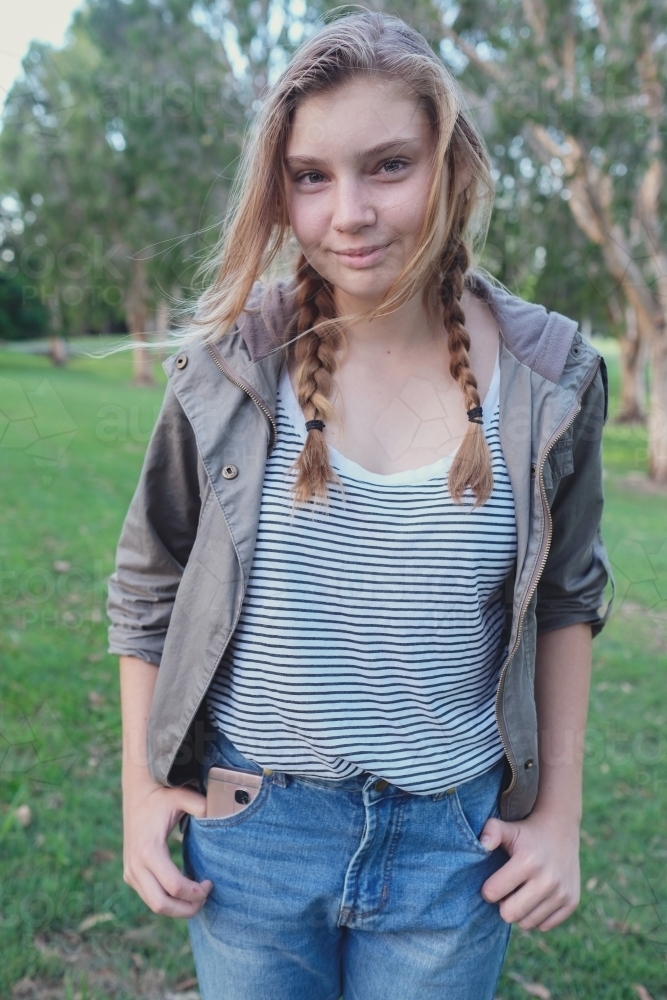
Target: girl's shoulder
[(546, 341), (269, 315)]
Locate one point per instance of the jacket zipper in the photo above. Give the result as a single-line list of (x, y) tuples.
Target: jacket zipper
[(233, 377), (557, 435)]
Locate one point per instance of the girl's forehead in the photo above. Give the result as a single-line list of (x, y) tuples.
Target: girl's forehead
[(364, 110), (361, 90)]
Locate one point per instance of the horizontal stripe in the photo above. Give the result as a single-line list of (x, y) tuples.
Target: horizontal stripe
[(370, 636)]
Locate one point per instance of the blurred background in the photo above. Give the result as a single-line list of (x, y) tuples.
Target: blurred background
[(121, 127)]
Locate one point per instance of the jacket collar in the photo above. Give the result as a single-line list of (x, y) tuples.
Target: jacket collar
[(539, 339), (544, 343)]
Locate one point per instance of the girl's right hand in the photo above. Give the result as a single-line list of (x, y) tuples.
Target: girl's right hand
[(150, 812)]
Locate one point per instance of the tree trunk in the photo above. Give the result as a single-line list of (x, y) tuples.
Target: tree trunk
[(58, 351), (57, 344), (632, 360), (657, 418), (137, 315)]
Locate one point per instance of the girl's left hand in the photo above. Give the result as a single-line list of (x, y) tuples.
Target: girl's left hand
[(539, 886)]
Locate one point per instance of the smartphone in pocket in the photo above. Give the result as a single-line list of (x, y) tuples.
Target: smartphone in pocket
[(230, 790)]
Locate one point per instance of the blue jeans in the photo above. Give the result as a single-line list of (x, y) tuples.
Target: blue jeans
[(354, 887)]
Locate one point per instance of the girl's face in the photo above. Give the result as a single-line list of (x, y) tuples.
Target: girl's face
[(358, 173)]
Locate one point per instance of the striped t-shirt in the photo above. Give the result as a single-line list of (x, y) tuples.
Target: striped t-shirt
[(370, 636)]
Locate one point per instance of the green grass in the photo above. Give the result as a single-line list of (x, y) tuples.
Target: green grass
[(78, 437)]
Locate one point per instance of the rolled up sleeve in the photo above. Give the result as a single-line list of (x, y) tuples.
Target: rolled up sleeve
[(156, 539), (577, 571)]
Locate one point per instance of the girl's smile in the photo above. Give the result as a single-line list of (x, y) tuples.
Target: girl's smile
[(362, 256)]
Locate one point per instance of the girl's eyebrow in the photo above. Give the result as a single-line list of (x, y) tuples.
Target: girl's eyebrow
[(360, 157)]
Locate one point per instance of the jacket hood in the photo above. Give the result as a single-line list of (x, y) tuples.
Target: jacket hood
[(538, 338)]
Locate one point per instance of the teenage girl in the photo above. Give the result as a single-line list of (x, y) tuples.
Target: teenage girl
[(364, 553)]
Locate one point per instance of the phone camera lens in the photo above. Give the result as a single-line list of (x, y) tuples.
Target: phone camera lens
[(242, 797)]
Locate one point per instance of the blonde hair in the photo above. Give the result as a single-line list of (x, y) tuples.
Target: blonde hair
[(258, 227)]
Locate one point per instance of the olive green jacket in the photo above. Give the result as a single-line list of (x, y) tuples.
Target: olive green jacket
[(187, 544)]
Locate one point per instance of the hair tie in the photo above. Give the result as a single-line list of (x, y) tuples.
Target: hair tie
[(314, 425), (475, 415)]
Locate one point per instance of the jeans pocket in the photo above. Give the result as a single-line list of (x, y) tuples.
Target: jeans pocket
[(474, 802)]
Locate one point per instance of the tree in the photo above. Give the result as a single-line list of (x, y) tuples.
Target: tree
[(582, 84), (127, 150)]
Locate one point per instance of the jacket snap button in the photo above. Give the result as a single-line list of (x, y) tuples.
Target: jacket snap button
[(533, 471), (229, 472), (380, 785), (528, 764), (181, 361)]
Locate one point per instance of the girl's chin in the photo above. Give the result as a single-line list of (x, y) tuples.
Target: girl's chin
[(368, 286)]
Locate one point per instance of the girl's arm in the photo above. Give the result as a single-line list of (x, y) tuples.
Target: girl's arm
[(539, 885), (150, 810)]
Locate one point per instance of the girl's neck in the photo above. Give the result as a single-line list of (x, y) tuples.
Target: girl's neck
[(411, 327)]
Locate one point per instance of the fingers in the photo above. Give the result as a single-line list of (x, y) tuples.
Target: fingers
[(536, 904), (163, 887), (159, 901), (556, 918), (539, 898), (173, 881), (506, 880), (539, 885), (545, 912), (535, 900)]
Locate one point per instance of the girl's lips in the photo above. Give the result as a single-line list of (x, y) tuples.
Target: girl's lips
[(363, 257)]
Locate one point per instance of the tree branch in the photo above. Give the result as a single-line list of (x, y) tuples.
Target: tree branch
[(591, 193), (569, 46), (647, 208), (603, 27), (492, 69), (535, 14)]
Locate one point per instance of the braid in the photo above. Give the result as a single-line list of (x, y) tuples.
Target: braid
[(315, 355), (472, 462)]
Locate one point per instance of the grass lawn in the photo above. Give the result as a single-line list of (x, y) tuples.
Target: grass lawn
[(69, 927)]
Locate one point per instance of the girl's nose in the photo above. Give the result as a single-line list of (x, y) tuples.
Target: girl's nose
[(352, 208)]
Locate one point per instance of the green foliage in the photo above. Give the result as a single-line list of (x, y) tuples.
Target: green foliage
[(116, 149), (20, 319)]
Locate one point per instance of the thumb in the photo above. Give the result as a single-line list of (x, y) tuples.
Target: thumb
[(192, 802), (498, 833)]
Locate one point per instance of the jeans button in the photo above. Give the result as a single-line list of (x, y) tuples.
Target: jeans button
[(380, 785)]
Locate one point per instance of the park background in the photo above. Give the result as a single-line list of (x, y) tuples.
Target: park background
[(118, 149)]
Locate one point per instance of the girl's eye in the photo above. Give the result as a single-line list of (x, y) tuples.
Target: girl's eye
[(393, 166), (310, 177)]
